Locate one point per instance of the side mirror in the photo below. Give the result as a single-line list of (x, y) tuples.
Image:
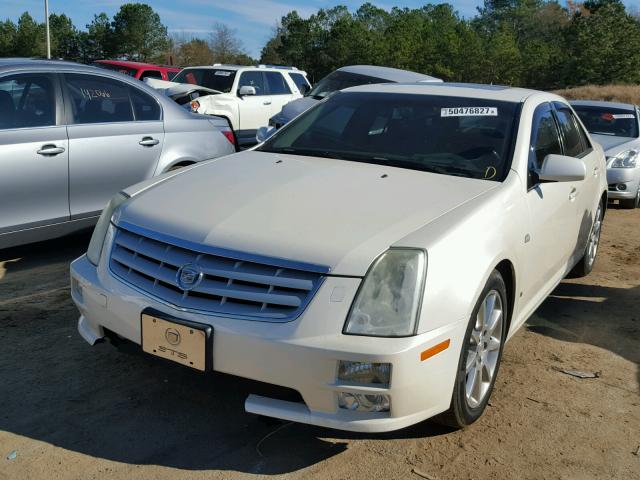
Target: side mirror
[(264, 133), (560, 168), (246, 90)]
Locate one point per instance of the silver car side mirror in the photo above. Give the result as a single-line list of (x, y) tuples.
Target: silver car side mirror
[(561, 168), (246, 90), (264, 133)]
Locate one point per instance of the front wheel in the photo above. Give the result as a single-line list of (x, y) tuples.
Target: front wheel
[(480, 356), (632, 202)]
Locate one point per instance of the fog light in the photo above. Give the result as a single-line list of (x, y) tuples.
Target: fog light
[(621, 187), (76, 290), (361, 402), (376, 374)]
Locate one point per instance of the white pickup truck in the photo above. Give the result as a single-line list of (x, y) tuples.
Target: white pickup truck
[(247, 96)]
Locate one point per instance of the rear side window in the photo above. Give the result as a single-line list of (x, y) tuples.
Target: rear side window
[(545, 138), (301, 82), (26, 101), (151, 74), (277, 84), (252, 79), (145, 107), (574, 141), (98, 100)]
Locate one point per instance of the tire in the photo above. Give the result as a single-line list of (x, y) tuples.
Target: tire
[(469, 398), (588, 260), (631, 203)]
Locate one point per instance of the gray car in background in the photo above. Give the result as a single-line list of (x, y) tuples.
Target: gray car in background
[(615, 127), (71, 136), (342, 78)]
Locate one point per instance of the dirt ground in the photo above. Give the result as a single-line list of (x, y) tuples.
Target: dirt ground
[(68, 410)]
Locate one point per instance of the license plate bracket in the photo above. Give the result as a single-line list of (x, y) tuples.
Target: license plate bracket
[(177, 340)]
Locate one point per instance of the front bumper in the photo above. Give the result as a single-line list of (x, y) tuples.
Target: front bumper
[(302, 355), (629, 177)]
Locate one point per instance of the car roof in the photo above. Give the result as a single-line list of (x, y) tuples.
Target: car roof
[(223, 66), (387, 73), (598, 103), (127, 63), (471, 90)]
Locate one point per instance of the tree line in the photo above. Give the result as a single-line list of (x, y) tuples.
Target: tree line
[(533, 43)]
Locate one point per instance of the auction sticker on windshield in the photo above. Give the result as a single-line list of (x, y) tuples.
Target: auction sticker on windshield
[(469, 112)]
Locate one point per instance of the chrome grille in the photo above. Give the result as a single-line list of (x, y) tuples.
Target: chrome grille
[(228, 286)]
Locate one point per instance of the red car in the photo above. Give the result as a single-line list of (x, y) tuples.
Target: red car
[(139, 70)]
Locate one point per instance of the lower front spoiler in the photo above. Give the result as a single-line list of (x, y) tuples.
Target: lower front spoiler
[(341, 420)]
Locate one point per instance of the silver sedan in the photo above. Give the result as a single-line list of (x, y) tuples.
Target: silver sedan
[(615, 127), (71, 136)]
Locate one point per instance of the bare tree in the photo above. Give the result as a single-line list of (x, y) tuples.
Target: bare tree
[(225, 44)]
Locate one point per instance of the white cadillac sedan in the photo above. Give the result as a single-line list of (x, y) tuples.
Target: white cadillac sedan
[(373, 256)]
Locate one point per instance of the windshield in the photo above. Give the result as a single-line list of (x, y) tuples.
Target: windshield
[(616, 122), (449, 135), (118, 68), (339, 80), (216, 79)]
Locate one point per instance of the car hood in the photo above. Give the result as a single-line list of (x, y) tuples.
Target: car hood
[(292, 109), (612, 145), (326, 212)]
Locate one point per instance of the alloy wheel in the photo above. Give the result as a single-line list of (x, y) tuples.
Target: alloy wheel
[(483, 350), (594, 238)]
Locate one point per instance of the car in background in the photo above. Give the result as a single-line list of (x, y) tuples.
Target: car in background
[(342, 78), (139, 70), (371, 258), (71, 135), (247, 96), (615, 127)]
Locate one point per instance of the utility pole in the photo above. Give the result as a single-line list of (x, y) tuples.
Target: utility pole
[(46, 22)]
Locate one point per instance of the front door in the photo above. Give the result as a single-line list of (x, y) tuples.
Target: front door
[(254, 110), (33, 153), (115, 138), (553, 226)]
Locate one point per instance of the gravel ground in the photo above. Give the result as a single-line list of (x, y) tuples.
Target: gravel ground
[(68, 410)]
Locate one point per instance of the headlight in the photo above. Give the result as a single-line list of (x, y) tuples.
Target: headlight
[(97, 239), (388, 301), (626, 159)]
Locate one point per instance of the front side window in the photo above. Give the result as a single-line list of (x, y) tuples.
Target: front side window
[(545, 140), (213, 78), (573, 140), (27, 101), (340, 80), (615, 122), (151, 74), (145, 107), (419, 132), (252, 79), (98, 100), (277, 84)]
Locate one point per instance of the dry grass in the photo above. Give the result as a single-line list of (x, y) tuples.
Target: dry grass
[(608, 93)]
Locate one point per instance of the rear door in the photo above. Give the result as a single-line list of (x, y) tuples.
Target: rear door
[(33, 152), (279, 91), (116, 135)]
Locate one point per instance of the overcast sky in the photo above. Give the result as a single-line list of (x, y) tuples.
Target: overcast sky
[(252, 19)]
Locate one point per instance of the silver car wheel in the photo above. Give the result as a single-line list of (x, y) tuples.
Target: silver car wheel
[(483, 350), (594, 238)]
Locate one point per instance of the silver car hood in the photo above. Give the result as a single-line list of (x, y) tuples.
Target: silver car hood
[(292, 109), (334, 213), (612, 145)]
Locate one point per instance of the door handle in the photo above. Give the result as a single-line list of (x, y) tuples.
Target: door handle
[(596, 171), (50, 149), (267, 102), (148, 141), (573, 194)]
